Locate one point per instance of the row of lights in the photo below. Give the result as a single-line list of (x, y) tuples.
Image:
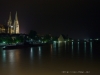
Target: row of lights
[(77, 40)]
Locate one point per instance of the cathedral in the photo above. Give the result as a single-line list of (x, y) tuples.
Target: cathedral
[(13, 28)]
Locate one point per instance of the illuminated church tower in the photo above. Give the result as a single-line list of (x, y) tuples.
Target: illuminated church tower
[(13, 28), (9, 23), (16, 24)]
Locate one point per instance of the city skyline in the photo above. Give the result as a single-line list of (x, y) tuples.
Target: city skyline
[(78, 19)]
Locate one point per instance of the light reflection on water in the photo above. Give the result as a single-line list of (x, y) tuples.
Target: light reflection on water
[(69, 47), (51, 59), (72, 49), (51, 49), (91, 50), (4, 55), (78, 48), (85, 49), (11, 56), (39, 48), (31, 53)]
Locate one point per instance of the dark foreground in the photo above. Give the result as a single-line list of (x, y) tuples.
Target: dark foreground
[(61, 59)]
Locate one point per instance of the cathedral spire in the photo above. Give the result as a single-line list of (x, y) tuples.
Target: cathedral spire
[(10, 16), (10, 20), (16, 18), (16, 24), (9, 23)]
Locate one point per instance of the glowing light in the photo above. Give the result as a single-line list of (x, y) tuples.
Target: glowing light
[(39, 40), (31, 52), (31, 39), (11, 26), (96, 39), (72, 40), (4, 42), (39, 48), (54, 41), (54, 44)]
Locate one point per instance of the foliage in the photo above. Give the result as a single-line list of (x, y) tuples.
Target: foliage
[(32, 34), (47, 37), (55, 38)]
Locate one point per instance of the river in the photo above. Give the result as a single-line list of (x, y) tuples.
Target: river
[(72, 58)]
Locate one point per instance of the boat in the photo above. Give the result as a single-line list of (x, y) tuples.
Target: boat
[(17, 46)]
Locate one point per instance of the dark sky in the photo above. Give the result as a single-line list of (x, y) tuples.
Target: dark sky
[(77, 18)]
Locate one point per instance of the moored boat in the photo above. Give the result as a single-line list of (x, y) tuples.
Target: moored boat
[(20, 46)]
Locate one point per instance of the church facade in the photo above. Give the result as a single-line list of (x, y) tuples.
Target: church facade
[(13, 27), (2, 29)]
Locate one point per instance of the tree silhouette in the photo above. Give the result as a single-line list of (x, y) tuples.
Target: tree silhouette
[(32, 34)]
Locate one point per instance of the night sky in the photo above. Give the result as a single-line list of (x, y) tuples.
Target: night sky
[(77, 18)]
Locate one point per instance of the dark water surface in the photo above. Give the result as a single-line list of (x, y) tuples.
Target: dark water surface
[(54, 59)]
